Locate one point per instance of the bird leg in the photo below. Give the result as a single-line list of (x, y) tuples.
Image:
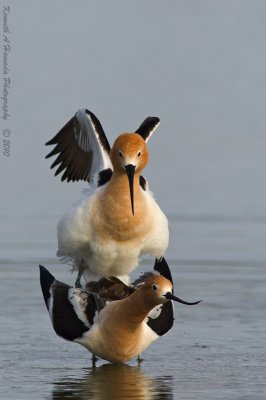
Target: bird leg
[(140, 359), (94, 360), (77, 281), (81, 268)]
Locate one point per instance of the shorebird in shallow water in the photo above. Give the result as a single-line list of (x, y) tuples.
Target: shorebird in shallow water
[(106, 232), (118, 330)]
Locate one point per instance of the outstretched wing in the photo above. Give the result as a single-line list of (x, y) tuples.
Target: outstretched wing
[(72, 311), (82, 148), (147, 127)]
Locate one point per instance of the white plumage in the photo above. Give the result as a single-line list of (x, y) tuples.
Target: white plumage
[(79, 239), (106, 232)]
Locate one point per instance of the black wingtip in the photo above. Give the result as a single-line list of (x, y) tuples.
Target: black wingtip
[(147, 127), (49, 142), (46, 281), (163, 268)]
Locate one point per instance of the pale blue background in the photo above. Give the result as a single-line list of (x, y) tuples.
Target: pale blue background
[(199, 65)]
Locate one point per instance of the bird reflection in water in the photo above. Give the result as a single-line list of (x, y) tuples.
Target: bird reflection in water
[(112, 381)]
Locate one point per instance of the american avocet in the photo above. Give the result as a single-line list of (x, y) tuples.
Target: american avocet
[(116, 331), (106, 232)]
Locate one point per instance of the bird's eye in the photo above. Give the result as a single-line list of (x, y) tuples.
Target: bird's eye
[(139, 153), (121, 155), (154, 287)]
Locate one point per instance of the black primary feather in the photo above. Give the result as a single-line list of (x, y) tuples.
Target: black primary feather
[(162, 267), (147, 127), (65, 320), (75, 152)]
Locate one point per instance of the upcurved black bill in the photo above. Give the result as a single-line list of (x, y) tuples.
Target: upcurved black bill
[(130, 174), (170, 296)]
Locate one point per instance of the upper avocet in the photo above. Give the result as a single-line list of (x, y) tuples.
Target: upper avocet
[(106, 232)]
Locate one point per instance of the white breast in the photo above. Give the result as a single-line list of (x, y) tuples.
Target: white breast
[(79, 239)]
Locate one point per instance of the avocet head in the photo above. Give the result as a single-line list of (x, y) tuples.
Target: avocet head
[(129, 154), (160, 289)]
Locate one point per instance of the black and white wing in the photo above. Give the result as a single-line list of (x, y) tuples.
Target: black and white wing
[(161, 317), (147, 127), (145, 130), (71, 310), (82, 148), (162, 267)]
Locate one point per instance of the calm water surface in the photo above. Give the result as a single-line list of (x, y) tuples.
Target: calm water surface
[(215, 351)]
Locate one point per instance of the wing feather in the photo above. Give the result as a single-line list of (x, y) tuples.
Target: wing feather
[(82, 148), (163, 323), (147, 127)]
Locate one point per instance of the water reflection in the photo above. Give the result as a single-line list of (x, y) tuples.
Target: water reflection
[(118, 382)]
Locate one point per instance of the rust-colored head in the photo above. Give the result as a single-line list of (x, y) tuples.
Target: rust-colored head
[(155, 287), (129, 155), (158, 290), (129, 148)]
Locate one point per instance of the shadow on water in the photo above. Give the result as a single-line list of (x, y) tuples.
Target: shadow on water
[(118, 382)]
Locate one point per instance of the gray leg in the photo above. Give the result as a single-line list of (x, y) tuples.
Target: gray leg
[(77, 281), (140, 359), (94, 359), (81, 267)]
